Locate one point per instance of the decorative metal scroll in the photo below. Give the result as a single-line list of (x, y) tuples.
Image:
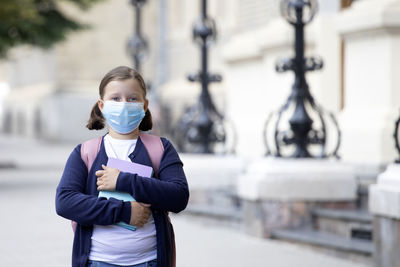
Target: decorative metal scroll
[(396, 138), (137, 45), (202, 129), (304, 133)]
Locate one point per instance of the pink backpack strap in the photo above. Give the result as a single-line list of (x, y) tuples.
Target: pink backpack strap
[(89, 151), (155, 149)]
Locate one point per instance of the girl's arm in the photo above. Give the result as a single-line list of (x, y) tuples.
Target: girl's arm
[(73, 204), (170, 192)]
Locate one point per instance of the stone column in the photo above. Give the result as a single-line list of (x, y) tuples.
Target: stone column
[(384, 204), (371, 33), (280, 193)]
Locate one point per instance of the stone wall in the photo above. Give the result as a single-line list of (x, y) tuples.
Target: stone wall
[(261, 217), (384, 204)]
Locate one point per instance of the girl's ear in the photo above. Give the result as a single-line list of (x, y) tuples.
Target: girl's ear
[(100, 103), (146, 105)]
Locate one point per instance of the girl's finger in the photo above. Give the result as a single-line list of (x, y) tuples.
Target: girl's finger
[(145, 204), (99, 173), (104, 166)]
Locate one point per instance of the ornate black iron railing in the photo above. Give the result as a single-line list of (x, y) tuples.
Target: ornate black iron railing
[(202, 129), (137, 45), (396, 138), (300, 137)]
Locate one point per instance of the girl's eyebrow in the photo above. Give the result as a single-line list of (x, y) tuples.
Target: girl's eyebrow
[(114, 94), (133, 94)]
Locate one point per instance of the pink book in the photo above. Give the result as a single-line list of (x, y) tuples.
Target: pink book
[(131, 167)]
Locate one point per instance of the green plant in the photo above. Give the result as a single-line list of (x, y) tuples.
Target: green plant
[(39, 23)]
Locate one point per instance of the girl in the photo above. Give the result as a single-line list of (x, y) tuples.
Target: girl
[(98, 241)]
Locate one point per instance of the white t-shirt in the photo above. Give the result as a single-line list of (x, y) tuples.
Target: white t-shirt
[(114, 244)]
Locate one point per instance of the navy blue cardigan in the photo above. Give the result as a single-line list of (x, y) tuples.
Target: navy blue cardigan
[(76, 198)]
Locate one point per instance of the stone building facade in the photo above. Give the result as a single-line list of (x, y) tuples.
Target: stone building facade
[(251, 37), (52, 91)]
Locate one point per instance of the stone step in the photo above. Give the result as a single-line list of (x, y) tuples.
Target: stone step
[(345, 223), (221, 213), (325, 240), (344, 215), (221, 216), (7, 165), (224, 196), (363, 194), (363, 232)]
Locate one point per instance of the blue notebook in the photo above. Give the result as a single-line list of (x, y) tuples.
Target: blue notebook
[(131, 167)]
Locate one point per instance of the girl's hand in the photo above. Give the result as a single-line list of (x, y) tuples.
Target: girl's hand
[(107, 178)]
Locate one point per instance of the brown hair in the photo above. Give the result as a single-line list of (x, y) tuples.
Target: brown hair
[(121, 73)]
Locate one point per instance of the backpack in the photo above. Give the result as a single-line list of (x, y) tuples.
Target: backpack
[(155, 149)]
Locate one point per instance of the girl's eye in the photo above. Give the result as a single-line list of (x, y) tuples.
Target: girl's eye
[(115, 98), (132, 99)]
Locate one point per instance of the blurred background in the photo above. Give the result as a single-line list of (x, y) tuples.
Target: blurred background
[(285, 114)]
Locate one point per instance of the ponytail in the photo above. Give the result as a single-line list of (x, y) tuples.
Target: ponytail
[(96, 120), (147, 122)]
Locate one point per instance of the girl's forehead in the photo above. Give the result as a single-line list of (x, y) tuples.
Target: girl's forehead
[(123, 87)]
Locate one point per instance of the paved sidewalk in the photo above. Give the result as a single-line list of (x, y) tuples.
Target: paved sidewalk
[(29, 153), (200, 245), (31, 234)]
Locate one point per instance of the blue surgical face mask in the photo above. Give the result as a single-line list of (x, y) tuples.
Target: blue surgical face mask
[(123, 117)]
